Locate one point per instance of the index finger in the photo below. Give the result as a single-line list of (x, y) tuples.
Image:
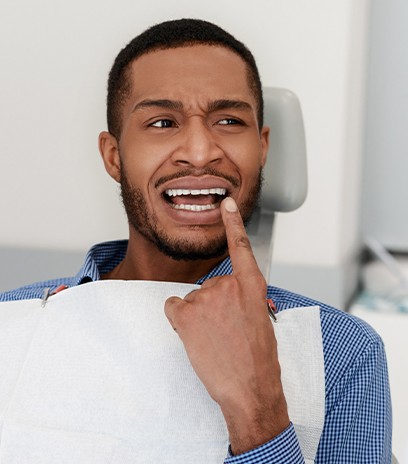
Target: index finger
[(240, 251)]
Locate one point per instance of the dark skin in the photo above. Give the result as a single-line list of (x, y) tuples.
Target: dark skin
[(177, 119)]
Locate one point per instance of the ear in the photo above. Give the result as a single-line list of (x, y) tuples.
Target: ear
[(264, 144), (109, 150)]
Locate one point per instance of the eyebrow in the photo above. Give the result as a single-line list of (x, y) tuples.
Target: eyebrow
[(216, 105), (162, 103)]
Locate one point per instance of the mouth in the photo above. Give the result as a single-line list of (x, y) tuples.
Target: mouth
[(195, 200)]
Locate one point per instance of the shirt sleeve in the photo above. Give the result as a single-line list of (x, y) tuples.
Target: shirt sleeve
[(358, 421), (358, 413), (282, 449)]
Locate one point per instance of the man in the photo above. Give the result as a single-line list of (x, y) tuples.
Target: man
[(186, 142)]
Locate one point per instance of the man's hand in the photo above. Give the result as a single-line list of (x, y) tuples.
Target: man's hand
[(229, 339)]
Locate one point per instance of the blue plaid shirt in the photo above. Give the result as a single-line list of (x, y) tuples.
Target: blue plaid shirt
[(357, 426)]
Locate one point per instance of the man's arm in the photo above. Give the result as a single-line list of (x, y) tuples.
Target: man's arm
[(230, 341), (358, 423)]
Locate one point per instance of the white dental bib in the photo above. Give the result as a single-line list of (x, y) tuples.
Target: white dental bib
[(98, 376)]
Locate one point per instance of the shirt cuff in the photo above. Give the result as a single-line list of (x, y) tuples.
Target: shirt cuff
[(282, 449)]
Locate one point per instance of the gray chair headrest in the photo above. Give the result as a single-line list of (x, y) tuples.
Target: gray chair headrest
[(285, 173)]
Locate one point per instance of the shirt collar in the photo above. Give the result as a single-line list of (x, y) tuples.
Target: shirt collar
[(104, 257)]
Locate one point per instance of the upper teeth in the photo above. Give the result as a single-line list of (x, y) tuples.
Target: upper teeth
[(175, 192)]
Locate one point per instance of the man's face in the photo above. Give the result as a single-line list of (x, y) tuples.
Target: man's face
[(189, 138)]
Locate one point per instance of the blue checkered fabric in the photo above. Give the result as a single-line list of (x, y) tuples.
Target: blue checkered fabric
[(357, 428)]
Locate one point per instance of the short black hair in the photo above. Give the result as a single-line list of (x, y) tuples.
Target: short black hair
[(173, 34)]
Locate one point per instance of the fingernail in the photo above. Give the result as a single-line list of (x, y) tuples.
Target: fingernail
[(230, 205)]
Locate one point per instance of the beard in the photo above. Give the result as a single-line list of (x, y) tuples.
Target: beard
[(179, 248)]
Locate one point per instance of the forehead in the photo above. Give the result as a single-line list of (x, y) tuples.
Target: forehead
[(201, 72)]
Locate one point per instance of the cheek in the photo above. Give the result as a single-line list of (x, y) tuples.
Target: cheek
[(245, 152), (140, 166), (248, 165)]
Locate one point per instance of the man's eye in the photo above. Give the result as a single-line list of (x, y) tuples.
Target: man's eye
[(163, 123), (228, 121)]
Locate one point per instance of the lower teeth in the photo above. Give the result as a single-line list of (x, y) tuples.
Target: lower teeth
[(194, 207)]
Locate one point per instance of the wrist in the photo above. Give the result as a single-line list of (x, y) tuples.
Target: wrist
[(253, 424)]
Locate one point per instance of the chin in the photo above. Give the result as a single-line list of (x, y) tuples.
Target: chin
[(185, 249)]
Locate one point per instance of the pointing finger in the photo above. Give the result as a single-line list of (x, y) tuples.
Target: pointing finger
[(241, 254)]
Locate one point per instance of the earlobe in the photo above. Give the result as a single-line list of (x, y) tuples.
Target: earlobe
[(264, 144), (109, 150)]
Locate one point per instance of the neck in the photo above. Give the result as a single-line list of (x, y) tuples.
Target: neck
[(143, 261)]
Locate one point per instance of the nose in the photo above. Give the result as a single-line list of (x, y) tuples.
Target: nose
[(197, 146)]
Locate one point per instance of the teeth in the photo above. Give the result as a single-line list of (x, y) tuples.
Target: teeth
[(211, 191), (194, 207)]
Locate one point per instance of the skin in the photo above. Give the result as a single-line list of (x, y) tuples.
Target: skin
[(174, 125)]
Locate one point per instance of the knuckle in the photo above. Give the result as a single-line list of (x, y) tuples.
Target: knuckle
[(229, 283), (242, 241), (172, 306), (190, 296), (171, 302), (230, 286)]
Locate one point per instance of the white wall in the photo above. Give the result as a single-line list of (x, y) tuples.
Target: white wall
[(55, 57), (385, 185)]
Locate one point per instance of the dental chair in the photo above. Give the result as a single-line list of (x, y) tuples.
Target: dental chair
[(285, 174)]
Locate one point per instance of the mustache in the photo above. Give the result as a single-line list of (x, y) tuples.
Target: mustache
[(234, 181)]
